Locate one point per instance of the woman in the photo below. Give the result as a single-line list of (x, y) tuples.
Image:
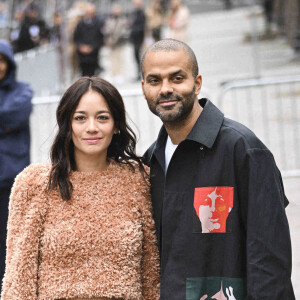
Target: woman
[(115, 30), (178, 20), (155, 20), (81, 228)]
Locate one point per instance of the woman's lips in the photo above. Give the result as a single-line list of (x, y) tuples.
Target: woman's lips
[(92, 140)]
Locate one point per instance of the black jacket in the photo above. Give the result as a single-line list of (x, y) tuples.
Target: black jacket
[(89, 32), (220, 214), (32, 33), (137, 28)]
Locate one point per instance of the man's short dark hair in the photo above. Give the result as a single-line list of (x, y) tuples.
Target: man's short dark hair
[(168, 45)]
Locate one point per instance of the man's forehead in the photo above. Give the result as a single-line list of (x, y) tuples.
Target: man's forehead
[(172, 59), (161, 53)]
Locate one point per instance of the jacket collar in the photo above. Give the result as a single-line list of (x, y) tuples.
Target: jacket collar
[(208, 125), (204, 132)]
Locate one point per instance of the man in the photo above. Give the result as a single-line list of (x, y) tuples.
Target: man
[(15, 108), (137, 31), (202, 159), (88, 39), (33, 31)]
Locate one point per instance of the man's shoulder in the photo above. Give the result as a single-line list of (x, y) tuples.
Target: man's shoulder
[(234, 132)]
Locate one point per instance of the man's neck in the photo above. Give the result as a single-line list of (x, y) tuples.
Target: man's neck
[(180, 130)]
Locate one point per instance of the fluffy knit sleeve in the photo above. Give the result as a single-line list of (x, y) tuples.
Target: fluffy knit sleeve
[(150, 256), (27, 208)]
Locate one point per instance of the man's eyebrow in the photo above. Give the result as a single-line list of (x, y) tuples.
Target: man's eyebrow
[(178, 72), (152, 75)]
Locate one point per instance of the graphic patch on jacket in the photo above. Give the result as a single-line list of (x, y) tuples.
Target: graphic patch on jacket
[(212, 206), (217, 288)]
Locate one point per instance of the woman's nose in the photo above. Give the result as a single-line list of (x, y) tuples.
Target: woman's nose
[(92, 126)]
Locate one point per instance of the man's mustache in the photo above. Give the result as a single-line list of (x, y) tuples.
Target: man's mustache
[(168, 97)]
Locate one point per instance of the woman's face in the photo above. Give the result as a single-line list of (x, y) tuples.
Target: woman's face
[(92, 126)]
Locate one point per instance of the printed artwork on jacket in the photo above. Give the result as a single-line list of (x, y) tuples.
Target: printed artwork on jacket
[(212, 206), (217, 288)]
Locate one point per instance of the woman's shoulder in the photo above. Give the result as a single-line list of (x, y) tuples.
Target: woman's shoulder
[(131, 167), (133, 173), (32, 181), (34, 174)]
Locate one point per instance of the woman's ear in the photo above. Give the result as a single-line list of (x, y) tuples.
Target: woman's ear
[(116, 131)]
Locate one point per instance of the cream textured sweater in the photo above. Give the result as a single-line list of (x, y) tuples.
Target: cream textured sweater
[(101, 243)]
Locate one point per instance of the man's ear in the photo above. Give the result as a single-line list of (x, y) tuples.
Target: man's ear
[(143, 83), (198, 84)]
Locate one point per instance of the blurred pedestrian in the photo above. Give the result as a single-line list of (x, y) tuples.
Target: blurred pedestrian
[(74, 16), (15, 108), (165, 4), (154, 20), (137, 31), (18, 18), (115, 37), (268, 11), (81, 227), (227, 4), (3, 14), (178, 21), (33, 31), (55, 30), (88, 39)]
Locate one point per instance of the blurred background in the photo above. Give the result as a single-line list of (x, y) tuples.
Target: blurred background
[(248, 53)]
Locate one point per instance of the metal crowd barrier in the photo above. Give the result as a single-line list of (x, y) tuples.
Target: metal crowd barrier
[(40, 68), (270, 107)]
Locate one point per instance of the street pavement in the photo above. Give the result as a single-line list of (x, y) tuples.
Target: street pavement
[(224, 53)]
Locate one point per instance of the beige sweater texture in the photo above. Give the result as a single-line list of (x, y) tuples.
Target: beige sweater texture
[(101, 243)]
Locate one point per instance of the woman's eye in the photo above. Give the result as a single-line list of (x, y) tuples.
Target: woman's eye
[(79, 118), (103, 118)]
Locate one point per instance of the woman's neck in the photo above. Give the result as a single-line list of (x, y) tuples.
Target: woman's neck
[(90, 164)]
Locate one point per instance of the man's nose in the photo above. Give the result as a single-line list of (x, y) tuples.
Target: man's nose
[(166, 88)]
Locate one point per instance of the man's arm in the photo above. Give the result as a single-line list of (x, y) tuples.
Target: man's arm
[(269, 259)]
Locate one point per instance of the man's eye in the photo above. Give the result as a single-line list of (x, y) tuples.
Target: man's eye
[(178, 78), (153, 81)]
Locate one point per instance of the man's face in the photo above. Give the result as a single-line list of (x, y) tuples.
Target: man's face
[(3, 67), (169, 85)]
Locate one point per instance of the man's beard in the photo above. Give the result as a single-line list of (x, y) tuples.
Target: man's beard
[(183, 107)]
